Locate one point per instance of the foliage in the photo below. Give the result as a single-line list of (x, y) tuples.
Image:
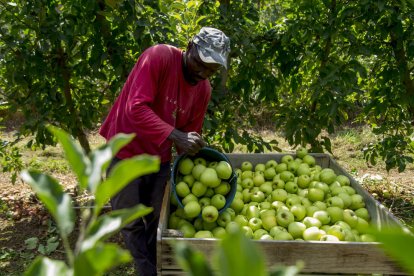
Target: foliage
[(312, 65), (94, 227), (399, 245), (235, 255), (10, 159)]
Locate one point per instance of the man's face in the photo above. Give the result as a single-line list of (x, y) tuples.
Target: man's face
[(196, 69)]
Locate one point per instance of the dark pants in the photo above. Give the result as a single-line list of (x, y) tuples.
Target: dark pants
[(141, 235)]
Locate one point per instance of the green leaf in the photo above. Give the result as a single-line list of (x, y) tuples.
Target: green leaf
[(74, 154), (99, 259), (101, 157), (56, 201), (123, 173), (192, 261), (399, 245), (31, 243), (43, 266), (109, 223), (238, 256)]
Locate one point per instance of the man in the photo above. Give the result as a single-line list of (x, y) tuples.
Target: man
[(163, 102)]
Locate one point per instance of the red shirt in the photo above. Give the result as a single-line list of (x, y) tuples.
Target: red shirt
[(154, 100)]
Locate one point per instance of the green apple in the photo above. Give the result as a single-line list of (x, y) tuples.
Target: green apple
[(266, 237), (296, 229), (320, 185), (231, 211), (284, 217), (287, 176), (188, 198), (277, 229), (255, 223), (182, 189), (269, 173), (209, 213), (198, 224), (268, 222), (323, 216), (343, 224), (335, 201), (328, 237), (198, 170), (260, 167), (336, 231), (192, 209), (335, 184), (257, 196), (311, 221), (286, 159), (247, 174), (350, 218), (218, 201), (209, 178), (219, 232), (188, 230), (301, 152), (367, 238), (204, 201), (241, 220), (363, 213), (327, 176), (223, 219), (347, 199), (200, 160), (362, 226), (357, 202), (209, 225), (315, 194), (303, 181), (252, 212), (312, 233), (247, 183), (344, 180), (173, 200), (185, 166), (350, 190), (203, 234), (279, 195), (212, 164), (246, 195), (305, 201), (189, 179), (291, 187), (266, 188), (283, 236), (275, 205), (292, 199), (223, 188), (258, 179), (320, 204), (278, 183), (209, 192), (246, 166), (311, 210), (224, 170), (309, 159), (247, 231), (337, 190), (265, 206), (271, 163), (237, 204), (198, 189), (336, 213), (298, 211), (293, 166), (173, 221), (281, 167), (238, 194), (257, 234)]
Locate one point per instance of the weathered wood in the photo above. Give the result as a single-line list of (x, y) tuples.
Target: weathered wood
[(318, 257)]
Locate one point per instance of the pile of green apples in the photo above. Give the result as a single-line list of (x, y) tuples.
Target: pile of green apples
[(293, 199)]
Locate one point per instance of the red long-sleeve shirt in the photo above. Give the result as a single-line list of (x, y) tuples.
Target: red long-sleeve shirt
[(154, 100)]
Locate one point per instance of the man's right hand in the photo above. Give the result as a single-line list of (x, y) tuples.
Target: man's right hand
[(187, 142)]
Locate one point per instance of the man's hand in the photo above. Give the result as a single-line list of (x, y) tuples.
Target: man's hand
[(187, 142)]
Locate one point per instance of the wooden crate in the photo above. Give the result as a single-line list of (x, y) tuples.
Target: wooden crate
[(319, 257)]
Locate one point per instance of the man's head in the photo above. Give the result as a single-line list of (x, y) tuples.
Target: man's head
[(206, 53)]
